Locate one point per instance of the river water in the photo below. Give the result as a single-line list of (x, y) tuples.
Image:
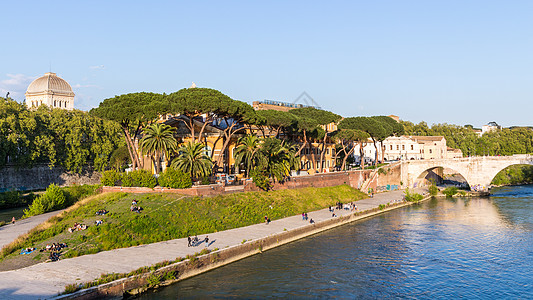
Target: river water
[(442, 248)]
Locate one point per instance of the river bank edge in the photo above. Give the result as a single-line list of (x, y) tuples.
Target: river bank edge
[(188, 268)]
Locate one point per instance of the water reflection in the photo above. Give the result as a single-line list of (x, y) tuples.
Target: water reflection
[(471, 248)]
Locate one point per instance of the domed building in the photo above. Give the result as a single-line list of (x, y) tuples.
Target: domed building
[(50, 90)]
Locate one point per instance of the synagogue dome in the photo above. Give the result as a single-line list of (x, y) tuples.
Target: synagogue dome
[(50, 90), (50, 83)]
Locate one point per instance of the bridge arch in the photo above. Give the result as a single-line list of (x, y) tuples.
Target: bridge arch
[(477, 171), (435, 174)]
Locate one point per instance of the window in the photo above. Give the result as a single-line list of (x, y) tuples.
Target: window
[(403, 147), (412, 147), (430, 151), (397, 147), (327, 152)]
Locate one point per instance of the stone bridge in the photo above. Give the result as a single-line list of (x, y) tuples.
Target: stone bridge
[(478, 171)]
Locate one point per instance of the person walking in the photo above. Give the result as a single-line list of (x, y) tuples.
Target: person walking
[(189, 240), (206, 241), (13, 221)]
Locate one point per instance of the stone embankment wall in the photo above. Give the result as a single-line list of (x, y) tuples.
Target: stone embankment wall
[(213, 260), (353, 178), (41, 176)]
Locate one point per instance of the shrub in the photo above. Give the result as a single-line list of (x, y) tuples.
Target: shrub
[(261, 180), (110, 178), (176, 179), (76, 192), (141, 178), (450, 191), (52, 199), (412, 197), (433, 190), (10, 199)]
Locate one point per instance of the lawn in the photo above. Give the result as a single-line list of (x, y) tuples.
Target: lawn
[(168, 216)]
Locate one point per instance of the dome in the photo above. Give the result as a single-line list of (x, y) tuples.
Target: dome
[(50, 83)]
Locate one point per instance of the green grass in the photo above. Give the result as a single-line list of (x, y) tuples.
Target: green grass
[(171, 216)]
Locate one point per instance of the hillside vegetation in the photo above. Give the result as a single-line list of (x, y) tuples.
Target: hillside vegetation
[(168, 216), (518, 174)]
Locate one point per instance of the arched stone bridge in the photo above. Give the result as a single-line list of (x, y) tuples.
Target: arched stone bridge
[(478, 171)]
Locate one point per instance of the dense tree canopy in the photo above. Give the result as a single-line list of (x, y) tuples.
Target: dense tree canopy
[(133, 112), (508, 141), (71, 139)]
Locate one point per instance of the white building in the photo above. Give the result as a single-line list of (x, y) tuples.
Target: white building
[(490, 127), (50, 90), (408, 148)]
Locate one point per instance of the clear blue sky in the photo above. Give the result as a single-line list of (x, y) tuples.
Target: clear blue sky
[(457, 62)]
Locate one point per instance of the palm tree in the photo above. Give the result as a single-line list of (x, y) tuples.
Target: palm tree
[(248, 152), (158, 139), (193, 160), (280, 158)]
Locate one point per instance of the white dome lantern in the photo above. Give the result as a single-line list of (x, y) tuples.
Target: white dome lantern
[(50, 90)]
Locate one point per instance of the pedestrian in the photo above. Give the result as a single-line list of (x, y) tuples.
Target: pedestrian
[(206, 241), (13, 221), (306, 217), (303, 216), (189, 240)]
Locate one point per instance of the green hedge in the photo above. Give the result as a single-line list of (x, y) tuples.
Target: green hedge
[(176, 179), (141, 178)]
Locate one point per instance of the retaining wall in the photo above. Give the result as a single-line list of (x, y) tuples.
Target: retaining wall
[(41, 176), (213, 260)]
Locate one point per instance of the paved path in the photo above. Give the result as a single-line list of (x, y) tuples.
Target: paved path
[(46, 280), (9, 232)]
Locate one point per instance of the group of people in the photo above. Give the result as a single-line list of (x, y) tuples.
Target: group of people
[(195, 241), (134, 207), (101, 212), (77, 227), (54, 249)]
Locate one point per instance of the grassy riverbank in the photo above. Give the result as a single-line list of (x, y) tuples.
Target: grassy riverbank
[(167, 216)]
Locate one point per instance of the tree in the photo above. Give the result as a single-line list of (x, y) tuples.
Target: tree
[(347, 139), (133, 112), (310, 118), (366, 124), (391, 128), (275, 120), (248, 152), (158, 139), (198, 104), (193, 160), (279, 159), (231, 119)]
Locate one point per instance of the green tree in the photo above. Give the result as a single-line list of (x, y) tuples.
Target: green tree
[(248, 152), (158, 140), (133, 112), (193, 160), (198, 104)]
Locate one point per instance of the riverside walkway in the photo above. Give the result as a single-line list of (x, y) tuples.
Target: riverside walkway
[(46, 280)]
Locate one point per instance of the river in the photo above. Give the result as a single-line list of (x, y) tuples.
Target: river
[(442, 248)]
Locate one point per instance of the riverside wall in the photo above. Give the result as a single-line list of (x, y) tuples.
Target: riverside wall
[(41, 176), (201, 264), (390, 175)]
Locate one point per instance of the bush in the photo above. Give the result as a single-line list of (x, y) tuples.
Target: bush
[(52, 199), (176, 179), (260, 179), (141, 178), (433, 190), (412, 197), (9, 199), (76, 192), (110, 178), (450, 191)]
